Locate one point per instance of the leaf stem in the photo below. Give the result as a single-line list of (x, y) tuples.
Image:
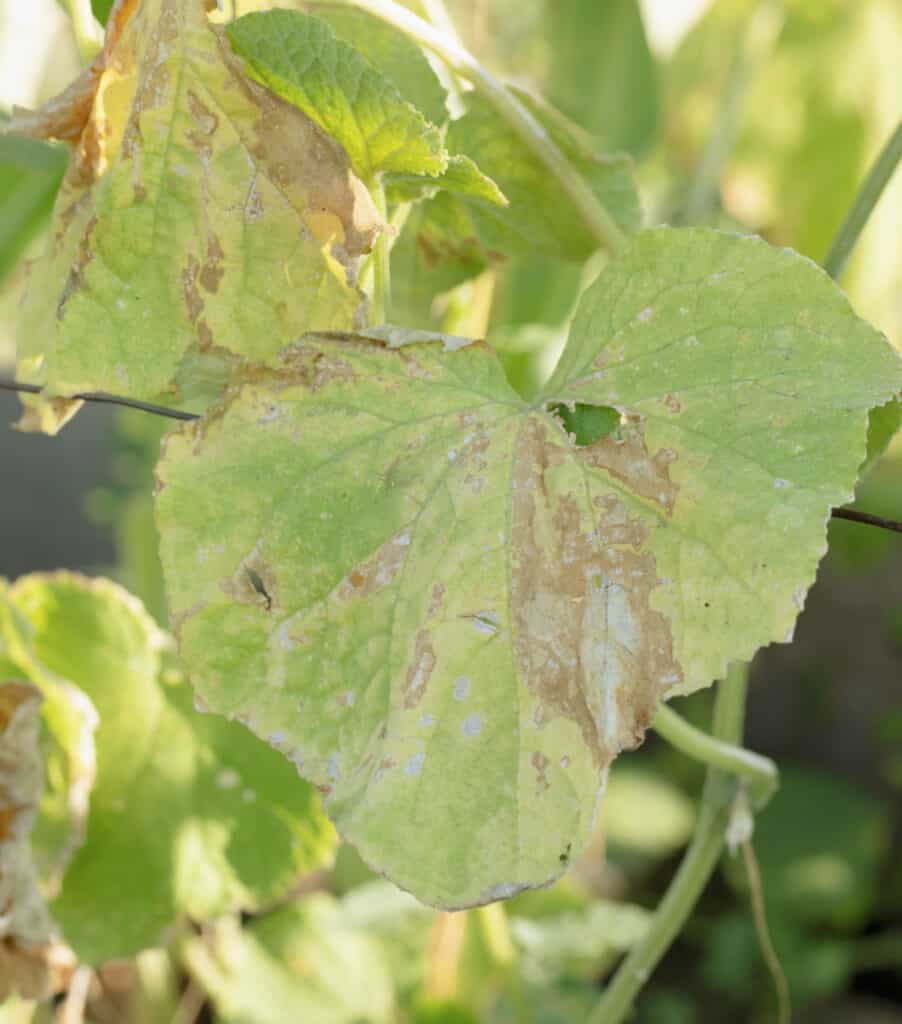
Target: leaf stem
[(698, 864), (381, 258), (527, 128), (103, 397), (759, 772), (868, 195)]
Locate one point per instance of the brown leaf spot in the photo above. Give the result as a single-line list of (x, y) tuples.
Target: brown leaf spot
[(540, 762), (420, 670), (438, 596), (628, 459), (377, 572), (588, 643), (309, 167)]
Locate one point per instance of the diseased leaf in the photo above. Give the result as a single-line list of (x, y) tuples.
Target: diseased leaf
[(301, 59), (26, 930), (188, 813), (202, 222), (462, 614), (68, 750)]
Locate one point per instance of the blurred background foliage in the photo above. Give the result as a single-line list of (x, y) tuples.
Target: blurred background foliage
[(753, 115)]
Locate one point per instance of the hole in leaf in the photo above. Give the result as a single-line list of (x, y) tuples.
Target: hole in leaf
[(587, 423)]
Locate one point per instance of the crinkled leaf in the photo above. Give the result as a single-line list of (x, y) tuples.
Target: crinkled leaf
[(188, 813), (395, 55), (202, 222), (304, 962), (601, 71), (301, 59), (30, 174), (444, 611)]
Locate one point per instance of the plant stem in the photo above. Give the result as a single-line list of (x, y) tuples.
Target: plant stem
[(759, 772), (868, 195), (753, 44), (381, 259), (84, 27), (697, 866), (527, 128), (496, 933)]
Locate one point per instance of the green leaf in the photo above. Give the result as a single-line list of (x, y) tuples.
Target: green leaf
[(30, 174), (301, 963), (461, 176), (602, 73), (202, 222), (539, 219), (396, 57), (101, 9), (188, 813), (883, 426), (463, 615), (300, 59)]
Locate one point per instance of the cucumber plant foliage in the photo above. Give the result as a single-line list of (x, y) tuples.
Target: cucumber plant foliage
[(449, 606)]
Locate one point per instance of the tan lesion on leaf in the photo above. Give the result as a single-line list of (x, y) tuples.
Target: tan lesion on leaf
[(626, 457), (376, 572), (308, 166), (588, 643), (540, 762), (420, 669), (253, 582)]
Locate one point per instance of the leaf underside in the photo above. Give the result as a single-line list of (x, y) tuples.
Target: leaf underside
[(452, 616)]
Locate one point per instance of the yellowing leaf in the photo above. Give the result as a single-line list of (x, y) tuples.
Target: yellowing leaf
[(27, 946), (300, 58), (449, 613), (203, 222)]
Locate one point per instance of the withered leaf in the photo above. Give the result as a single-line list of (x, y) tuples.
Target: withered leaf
[(203, 222)]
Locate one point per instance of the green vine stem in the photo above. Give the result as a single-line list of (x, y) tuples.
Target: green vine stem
[(868, 195), (697, 866), (599, 222), (88, 38), (760, 773)]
